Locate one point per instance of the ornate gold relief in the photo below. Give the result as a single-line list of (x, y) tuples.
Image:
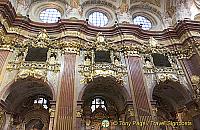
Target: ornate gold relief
[(91, 69), (34, 69), (183, 53), (166, 76), (131, 112), (195, 79), (195, 84), (100, 43), (36, 73), (90, 72), (72, 46), (79, 113), (52, 112)]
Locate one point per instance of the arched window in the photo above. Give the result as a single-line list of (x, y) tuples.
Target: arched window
[(50, 15), (142, 21), (98, 19), (97, 103), (42, 101)]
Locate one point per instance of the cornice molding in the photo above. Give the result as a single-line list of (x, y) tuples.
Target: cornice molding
[(9, 18), (85, 34)]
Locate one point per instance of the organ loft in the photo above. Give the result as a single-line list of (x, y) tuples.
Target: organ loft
[(100, 64)]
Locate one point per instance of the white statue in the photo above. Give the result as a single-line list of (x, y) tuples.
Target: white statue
[(148, 64), (153, 42), (52, 60), (43, 35), (117, 63), (100, 38), (87, 61)]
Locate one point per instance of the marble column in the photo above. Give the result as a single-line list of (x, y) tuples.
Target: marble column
[(138, 85), (65, 117)]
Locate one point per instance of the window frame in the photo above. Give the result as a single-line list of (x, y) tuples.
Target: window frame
[(44, 99), (145, 18), (37, 7), (108, 13), (95, 104), (100, 12), (47, 17), (153, 19)]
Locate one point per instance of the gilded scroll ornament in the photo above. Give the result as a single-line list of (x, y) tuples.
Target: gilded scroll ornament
[(167, 76), (71, 46), (79, 113), (131, 112), (153, 42), (195, 79), (100, 43), (52, 112), (38, 74), (91, 69)]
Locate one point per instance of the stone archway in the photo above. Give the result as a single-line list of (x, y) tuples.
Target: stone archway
[(22, 100), (171, 97), (115, 97)]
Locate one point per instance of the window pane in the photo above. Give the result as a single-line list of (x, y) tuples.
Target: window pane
[(93, 102), (93, 107), (45, 101), (98, 19), (50, 15), (142, 21), (96, 103), (40, 100), (35, 101)]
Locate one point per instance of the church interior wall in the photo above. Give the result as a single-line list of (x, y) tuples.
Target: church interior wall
[(84, 74)]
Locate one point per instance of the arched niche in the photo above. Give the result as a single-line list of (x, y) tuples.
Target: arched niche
[(107, 87), (20, 99), (21, 82), (170, 96), (109, 90)]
